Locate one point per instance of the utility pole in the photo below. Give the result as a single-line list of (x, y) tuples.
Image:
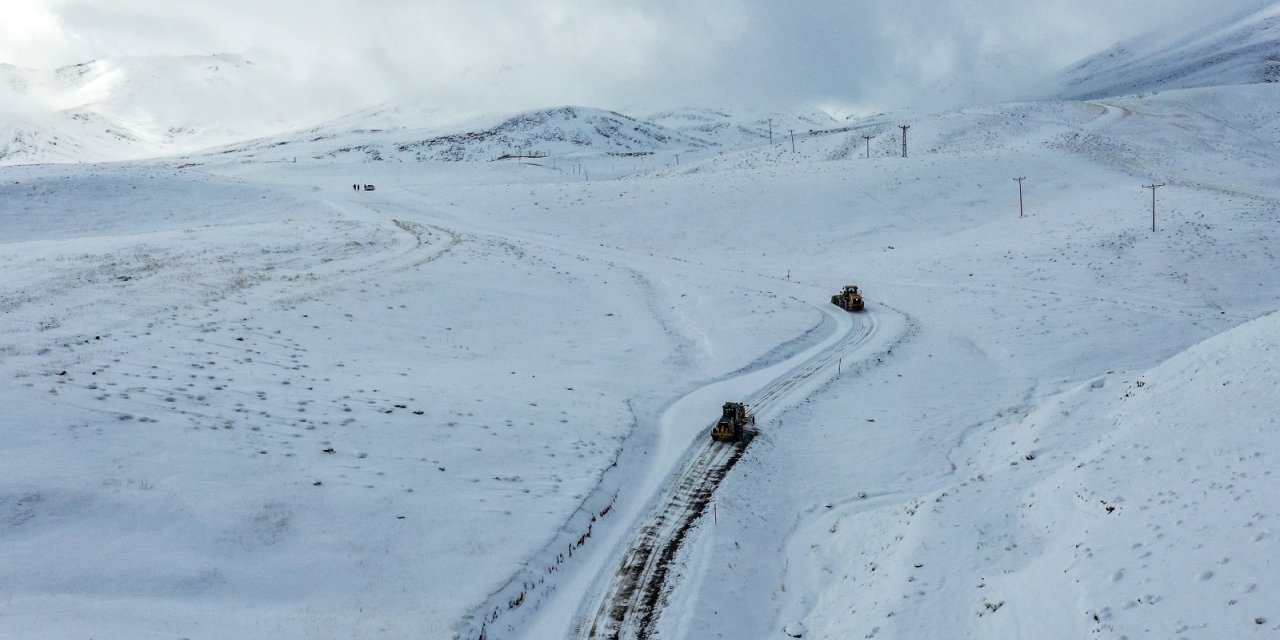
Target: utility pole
[(793, 141), (904, 128), (1020, 214), (770, 131), (1153, 188), (868, 139)]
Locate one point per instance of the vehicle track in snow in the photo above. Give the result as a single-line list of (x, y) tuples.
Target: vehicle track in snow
[(647, 572)]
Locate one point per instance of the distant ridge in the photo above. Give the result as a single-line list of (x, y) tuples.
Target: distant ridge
[(737, 127), (410, 134)]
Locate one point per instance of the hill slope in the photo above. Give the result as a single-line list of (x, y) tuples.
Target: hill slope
[(741, 127), (557, 131), (288, 405), (1238, 48)]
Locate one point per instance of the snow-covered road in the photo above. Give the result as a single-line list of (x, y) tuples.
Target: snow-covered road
[(672, 480), (634, 595)]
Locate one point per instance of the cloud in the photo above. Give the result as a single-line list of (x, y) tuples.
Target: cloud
[(510, 54), (479, 52), (31, 34), (928, 52)]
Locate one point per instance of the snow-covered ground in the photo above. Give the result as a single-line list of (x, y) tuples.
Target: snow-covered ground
[(245, 400)]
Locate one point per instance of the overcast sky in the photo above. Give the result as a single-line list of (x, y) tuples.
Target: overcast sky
[(506, 54)]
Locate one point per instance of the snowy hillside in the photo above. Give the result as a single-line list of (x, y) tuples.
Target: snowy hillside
[(129, 108), (558, 131), (412, 133), (245, 399), (740, 127), (1239, 48), (1130, 505)]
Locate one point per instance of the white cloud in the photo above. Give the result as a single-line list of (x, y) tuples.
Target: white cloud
[(31, 33), (504, 54)]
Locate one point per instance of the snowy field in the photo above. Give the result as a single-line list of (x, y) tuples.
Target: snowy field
[(246, 401)]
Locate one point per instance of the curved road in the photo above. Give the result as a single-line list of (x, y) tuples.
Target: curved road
[(635, 595), (611, 578)]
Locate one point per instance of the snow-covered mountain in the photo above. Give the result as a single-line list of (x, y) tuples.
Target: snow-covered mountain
[(1236, 48), (141, 107), (728, 127), (414, 133), (137, 107), (410, 136), (134, 108)]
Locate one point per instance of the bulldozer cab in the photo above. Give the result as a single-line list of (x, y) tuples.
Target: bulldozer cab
[(849, 299), (733, 417)]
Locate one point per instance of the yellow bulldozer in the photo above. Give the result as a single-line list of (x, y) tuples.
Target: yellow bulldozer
[(733, 419), (849, 299)]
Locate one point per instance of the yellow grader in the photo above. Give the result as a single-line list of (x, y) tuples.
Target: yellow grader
[(849, 299), (732, 420)]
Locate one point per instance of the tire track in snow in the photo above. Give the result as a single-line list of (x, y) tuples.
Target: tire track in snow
[(646, 574)]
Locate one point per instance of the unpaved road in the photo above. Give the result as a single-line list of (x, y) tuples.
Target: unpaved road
[(647, 572)]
